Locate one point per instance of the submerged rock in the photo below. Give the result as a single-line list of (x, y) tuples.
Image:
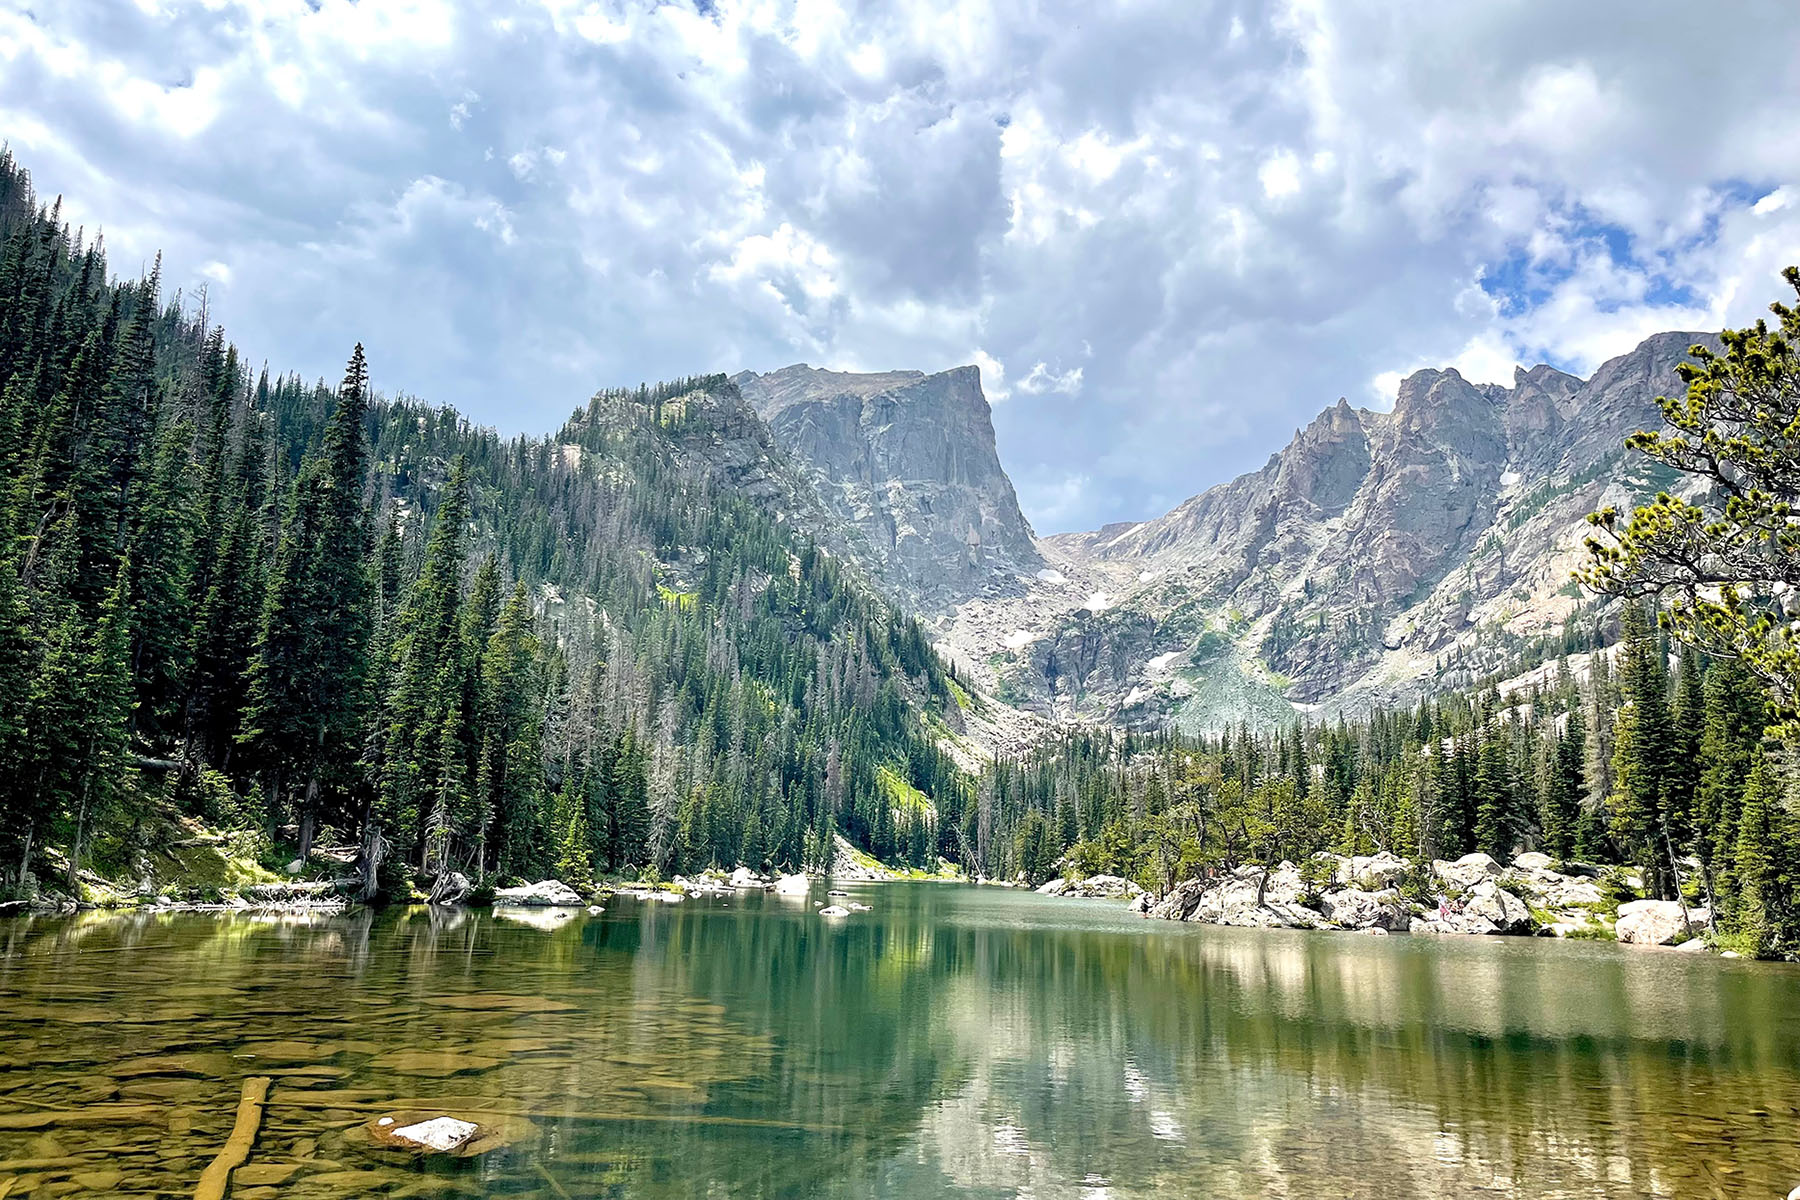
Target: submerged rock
[(547, 893), (834, 911), (428, 1133)]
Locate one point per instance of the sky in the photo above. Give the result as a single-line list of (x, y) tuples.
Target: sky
[(1168, 231)]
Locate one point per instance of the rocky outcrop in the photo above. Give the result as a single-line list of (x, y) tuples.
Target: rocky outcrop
[(1341, 572), (906, 466), (1353, 908), (1658, 922), (1094, 887), (1466, 871), (1365, 899), (1251, 896), (548, 893), (1486, 909)]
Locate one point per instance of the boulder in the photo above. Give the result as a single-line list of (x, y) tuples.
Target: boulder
[(1466, 871), (1657, 922), (1534, 861), (452, 887), (1232, 900), (834, 910), (545, 893), (1141, 905), (1094, 887), (1488, 908), (1371, 872), (1500, 908), (744, 877), (1352, 908), (1566, 892), (792, 885)]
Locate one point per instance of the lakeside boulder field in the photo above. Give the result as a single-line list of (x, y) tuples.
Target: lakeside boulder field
[(1383, 893)]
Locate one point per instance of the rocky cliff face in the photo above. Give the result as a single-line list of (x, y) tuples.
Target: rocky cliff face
[(1378, 557), (906, 468)]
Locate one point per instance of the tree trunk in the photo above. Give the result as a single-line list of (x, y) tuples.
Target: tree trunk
[(1675, 873), (25, 857), (75, 846), (306, 836)]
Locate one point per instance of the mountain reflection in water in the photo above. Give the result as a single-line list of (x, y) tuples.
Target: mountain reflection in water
[(954, 1040)]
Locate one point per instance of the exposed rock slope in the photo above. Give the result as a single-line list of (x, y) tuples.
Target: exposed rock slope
[(906, 467), (1377, 557)]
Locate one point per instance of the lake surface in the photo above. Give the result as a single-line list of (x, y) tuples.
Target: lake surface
[(954, 1041)]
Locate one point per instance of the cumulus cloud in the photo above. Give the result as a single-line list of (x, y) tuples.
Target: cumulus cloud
[(1186, 224)]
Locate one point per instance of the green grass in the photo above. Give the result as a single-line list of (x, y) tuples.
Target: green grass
[(683, 601), (901, 793)]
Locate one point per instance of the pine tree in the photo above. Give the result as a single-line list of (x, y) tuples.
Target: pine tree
[(1765, 864), (1641, 749), (510, 775), (428, 677), (103, 774), (308, 673)]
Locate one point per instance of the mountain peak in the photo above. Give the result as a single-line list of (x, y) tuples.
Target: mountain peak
[(907, 462)]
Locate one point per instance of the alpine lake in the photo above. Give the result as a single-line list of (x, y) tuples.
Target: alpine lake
[(955, 1040)]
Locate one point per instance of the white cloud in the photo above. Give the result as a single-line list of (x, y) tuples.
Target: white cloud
[(993, 376), (1279, 175), (1227, 215), (1042, 379)]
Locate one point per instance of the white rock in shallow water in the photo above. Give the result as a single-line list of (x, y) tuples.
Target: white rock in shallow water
[(595, 910), (792, 885), (547, 892), (834, 911), (439, 1133)]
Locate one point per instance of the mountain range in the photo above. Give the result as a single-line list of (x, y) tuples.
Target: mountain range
[(1378, 557)]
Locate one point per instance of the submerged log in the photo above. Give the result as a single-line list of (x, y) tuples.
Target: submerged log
[(217, 1176)]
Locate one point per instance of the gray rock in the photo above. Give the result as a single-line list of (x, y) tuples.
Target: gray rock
[(1353, 908), (1534, 861), (1498, 907), (1232, 900), (1373, 872), (1658, 922), (547, 893), (1466, 871), (1094, 887), (1487, 909), (905, 464), (1370, 533)]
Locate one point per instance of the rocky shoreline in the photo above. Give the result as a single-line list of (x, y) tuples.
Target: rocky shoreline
[(1384, 894)]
